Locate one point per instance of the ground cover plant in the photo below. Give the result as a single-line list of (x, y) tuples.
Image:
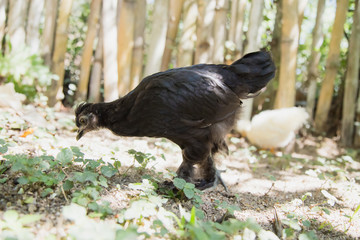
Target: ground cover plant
[(105, 187)]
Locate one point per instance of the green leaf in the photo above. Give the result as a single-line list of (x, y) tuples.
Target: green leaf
[(46, 192), (11, 216), (76, 151), (91, 164), (306, 223), (65, 156), (305, 196), (81, 200), (271, 177), (327, 211), (91, 177), (67, 185), (310, 235), (85, 176), (117, 164), (103, 181), (29, 200), (179, 183), (3, 149), (93, 206), (193, 216), (3, 180), (23, 180), (189, 193), (129, 233), (189, 186), (288, 232), (27, 219), (292, 223), (356, 210), (199, 233), (108, 171)]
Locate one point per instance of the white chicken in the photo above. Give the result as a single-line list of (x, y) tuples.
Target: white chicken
[(10, 98), (272, 129)]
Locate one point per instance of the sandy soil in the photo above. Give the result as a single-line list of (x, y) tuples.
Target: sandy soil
[(258, 181)]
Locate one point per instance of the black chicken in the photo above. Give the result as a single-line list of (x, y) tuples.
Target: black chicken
[(195, 107)]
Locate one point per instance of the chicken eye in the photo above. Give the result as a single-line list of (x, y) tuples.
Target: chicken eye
[(82, 120)]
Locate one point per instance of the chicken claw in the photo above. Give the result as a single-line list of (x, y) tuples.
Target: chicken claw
[(206, 185)]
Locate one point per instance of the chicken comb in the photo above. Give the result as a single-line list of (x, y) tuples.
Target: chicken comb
[(81, 107)]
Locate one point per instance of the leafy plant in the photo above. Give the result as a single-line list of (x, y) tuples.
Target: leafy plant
[(142, 158), (34, 169), (191, 226), (12, 226), (187, 190), (26, 70), (228, 207), (3, 146), (352, 217)]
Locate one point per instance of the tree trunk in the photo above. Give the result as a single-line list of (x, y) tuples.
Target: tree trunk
[(357, 127), (157, 38), (125, 44), (175, 9), (3, 4), (16, 22), (95, 77), (33, 25), (221, 10), (204, 31), (253, 44), (188, 36), (313, 73), (332, 64), (351, 81), (110, 50), (47, 38), (92, 25), (137, 59), (285, 96), (55, 93), (238, 8)]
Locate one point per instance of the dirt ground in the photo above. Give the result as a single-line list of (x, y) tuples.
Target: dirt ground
[(258, 181)]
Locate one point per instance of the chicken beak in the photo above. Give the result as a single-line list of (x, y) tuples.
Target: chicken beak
[(80, 133)]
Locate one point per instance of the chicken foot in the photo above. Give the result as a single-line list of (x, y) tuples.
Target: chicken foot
[(208, 185), (211, 176)]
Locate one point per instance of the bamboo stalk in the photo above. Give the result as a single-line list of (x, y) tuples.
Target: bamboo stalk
[(285, 96), (125, 44), (188, 36), (351, 81), (86, 57), (332, 65), (139, 41), (110, 50), (175, 9), (55, 93), (47, 38)]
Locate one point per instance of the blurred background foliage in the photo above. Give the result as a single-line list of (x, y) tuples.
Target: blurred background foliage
[(81, 26)]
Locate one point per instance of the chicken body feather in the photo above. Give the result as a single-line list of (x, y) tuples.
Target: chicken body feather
[(195, 107)]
